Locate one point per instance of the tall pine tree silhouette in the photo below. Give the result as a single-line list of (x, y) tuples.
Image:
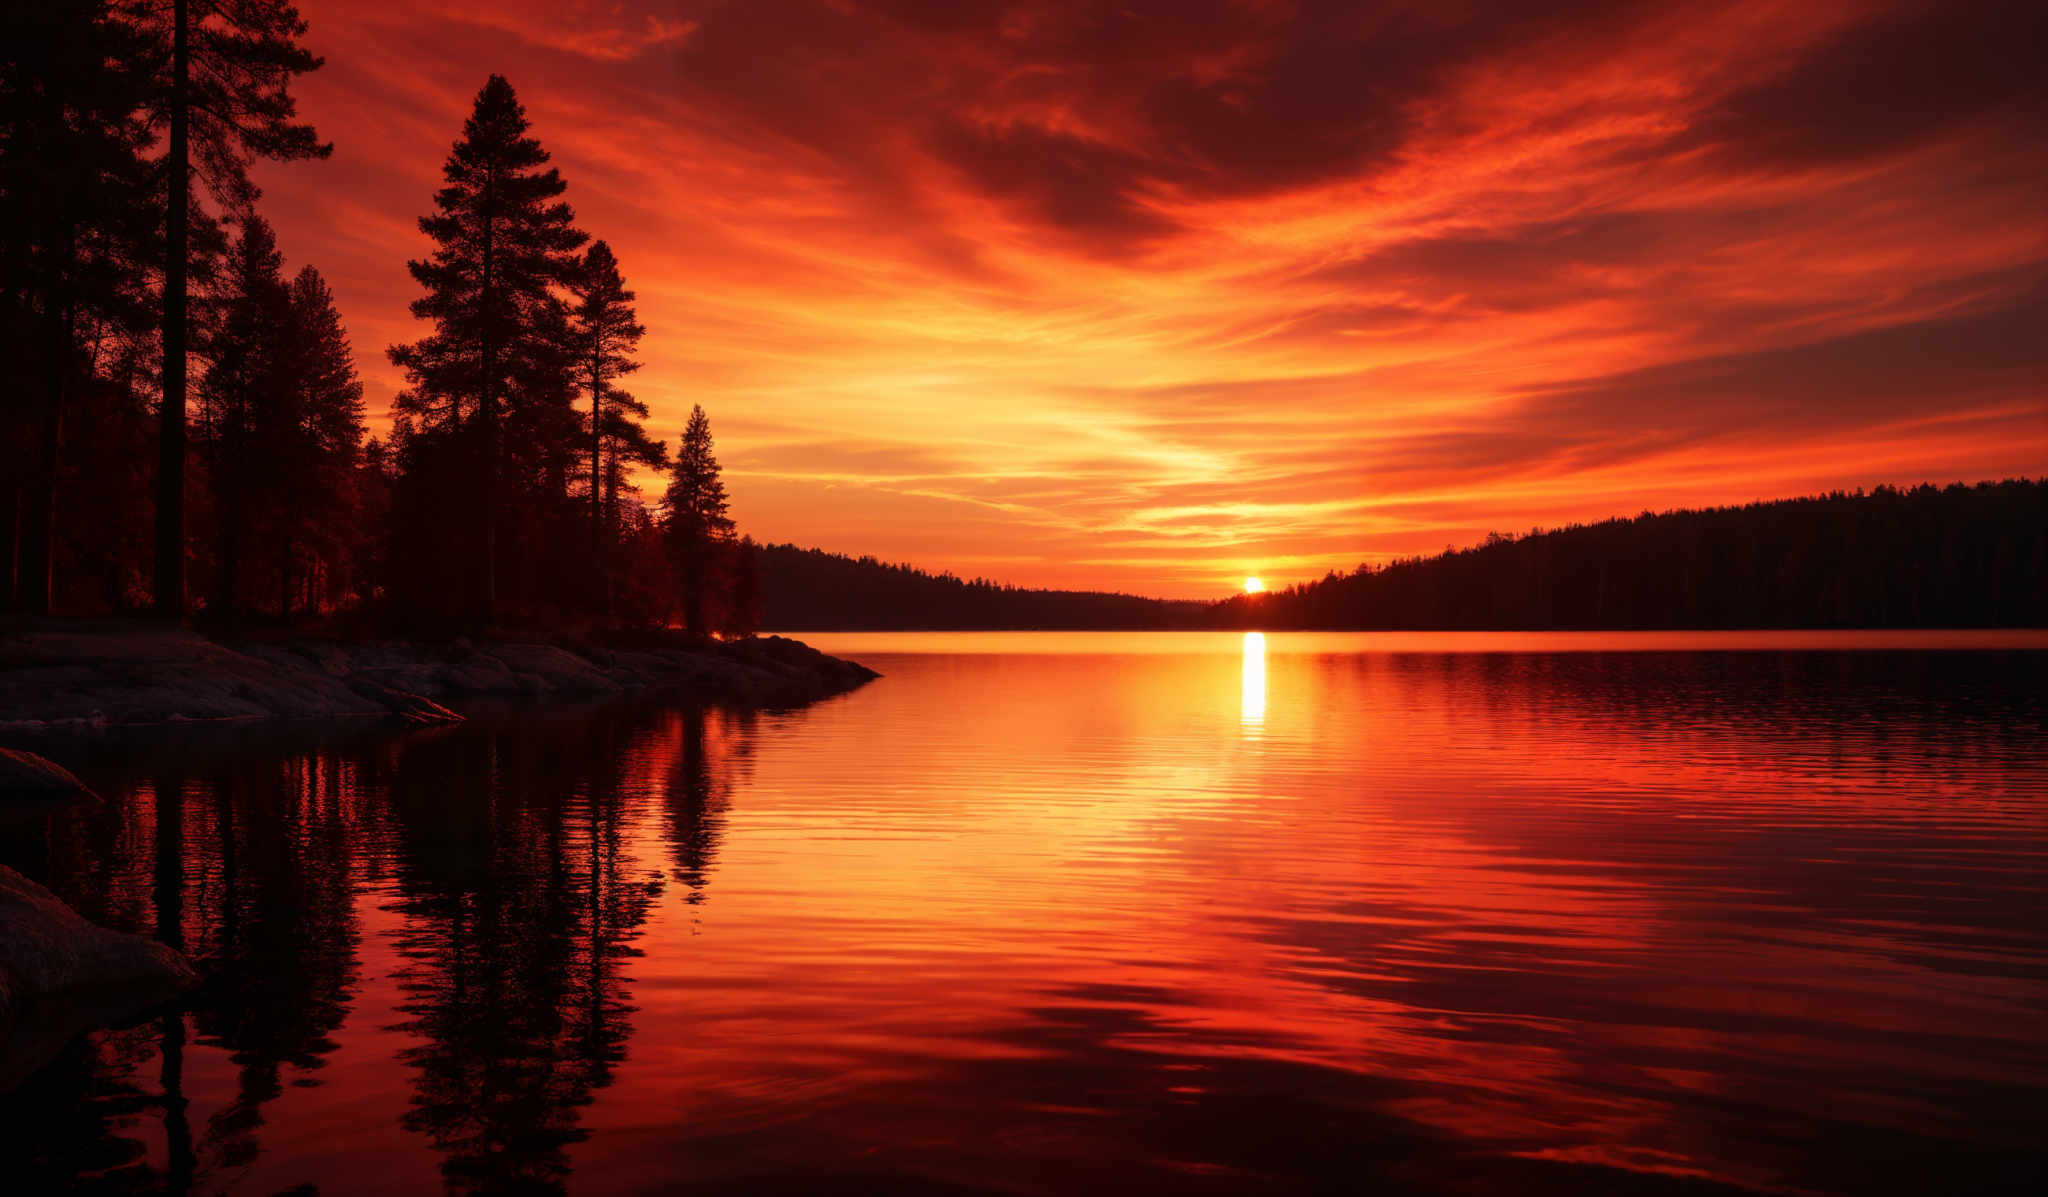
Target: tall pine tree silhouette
[(694, 520), (606, 331), (241, 397), (503, 239), (80, 241), (223, 100), (321, 445)]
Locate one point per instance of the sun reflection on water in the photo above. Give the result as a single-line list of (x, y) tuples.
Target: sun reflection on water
[(1252, 714)]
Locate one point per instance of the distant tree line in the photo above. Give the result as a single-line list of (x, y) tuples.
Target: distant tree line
[(811, 590), (1961, 556), (1926, 557), (184, 428)]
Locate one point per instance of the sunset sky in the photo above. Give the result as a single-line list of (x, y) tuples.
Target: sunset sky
[(1152, 296)]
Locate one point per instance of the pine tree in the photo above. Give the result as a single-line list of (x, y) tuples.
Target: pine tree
[(503, 239), (242, 397), (74, 264), (318, 499), (542, 566), (745, 600), (626, 444), (695, 523), (223, 100), (607, 331), (645, 592)]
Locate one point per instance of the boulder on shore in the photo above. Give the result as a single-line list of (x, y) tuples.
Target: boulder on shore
[(61, 974), (28, 780)]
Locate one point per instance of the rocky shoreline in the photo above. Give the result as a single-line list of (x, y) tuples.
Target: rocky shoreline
[(107, 673), (61, 974)]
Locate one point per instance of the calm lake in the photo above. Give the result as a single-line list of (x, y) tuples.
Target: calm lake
[(1049, 913)]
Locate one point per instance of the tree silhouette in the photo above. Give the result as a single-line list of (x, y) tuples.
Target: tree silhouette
[(626, 444), (643, 579), (503, 239), (606, 331), (242, 394), (223, 99), (320, 449), (74, 199), (745, 601), (694, 520), (523, 900), (808, 588), (281, 423), (494, 488)]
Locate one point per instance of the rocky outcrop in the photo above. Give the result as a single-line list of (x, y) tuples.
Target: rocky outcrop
[(113, 672), (28, 781), (60, 974)]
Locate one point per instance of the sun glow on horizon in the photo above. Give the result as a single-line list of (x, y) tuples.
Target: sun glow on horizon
[(961, 326), (1254, 585)]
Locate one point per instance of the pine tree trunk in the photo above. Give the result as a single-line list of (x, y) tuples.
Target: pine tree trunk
[(693, 587), (170, 480), (611, 528), (597, 536), (284, 580), (39, 525), (39, 510), (488, 605), (487, 418), (11, 498), (230, 567)]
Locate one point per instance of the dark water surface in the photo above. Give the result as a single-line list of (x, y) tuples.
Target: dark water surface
[(1063, 914)]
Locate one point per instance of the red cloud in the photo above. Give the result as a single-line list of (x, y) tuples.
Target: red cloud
[(1150, 296)]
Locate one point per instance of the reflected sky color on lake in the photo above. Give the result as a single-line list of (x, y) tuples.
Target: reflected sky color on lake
[(1106, 913)]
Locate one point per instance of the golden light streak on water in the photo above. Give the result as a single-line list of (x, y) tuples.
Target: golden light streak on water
[(1252, 711)]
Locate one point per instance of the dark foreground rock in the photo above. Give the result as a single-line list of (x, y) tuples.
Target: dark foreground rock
[(28, 781), (113, 672), (60, 975)]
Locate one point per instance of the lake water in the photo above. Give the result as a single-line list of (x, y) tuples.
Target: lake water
[(1106, 913)]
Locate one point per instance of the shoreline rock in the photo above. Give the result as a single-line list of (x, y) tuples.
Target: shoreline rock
[(61, 974), (93, 673), (37, 783)]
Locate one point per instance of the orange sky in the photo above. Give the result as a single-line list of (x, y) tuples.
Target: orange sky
[(1153, 296)]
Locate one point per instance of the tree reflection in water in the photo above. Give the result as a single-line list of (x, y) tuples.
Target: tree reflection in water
[(1308, 920), (519, 903)]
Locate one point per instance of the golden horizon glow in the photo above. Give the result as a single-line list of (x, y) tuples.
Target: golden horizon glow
[(1108, 299), (1254, 585)]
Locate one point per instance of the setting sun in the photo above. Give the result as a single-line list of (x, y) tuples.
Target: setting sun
[(1254, 586)]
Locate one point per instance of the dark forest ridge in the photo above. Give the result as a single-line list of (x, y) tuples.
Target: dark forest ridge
[(1956, 556), (810, 589)]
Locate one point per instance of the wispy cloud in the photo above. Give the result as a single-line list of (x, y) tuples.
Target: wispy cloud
[(1152, 295)]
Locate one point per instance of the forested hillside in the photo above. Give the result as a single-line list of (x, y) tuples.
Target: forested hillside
[(1960, 556), (807, 589)]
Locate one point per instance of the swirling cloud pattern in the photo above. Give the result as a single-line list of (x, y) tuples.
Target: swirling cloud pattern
[(1150, 296)]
